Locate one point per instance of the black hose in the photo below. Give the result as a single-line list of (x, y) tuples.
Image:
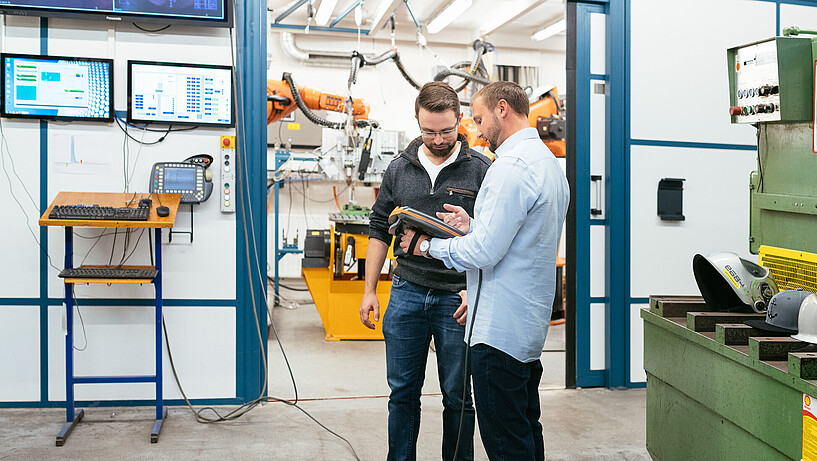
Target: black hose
[(307, 112), (357, 62), (404, 72), (313, 117), (556, 100), (387, 56), (465, 75)]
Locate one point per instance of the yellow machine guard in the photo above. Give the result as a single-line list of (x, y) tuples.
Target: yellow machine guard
[(790, 269)]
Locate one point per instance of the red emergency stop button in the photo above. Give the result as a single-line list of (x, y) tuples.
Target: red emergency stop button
[(226, 142), (735, 110)]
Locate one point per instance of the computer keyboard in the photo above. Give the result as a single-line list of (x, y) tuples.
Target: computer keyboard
[(108, 273), (96, 212)]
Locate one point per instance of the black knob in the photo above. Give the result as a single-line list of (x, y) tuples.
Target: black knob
[(775, 89), (760, 109), (764, 90)]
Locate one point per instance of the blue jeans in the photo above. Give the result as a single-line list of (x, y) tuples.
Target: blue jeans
[(506, 392), (415, 314)]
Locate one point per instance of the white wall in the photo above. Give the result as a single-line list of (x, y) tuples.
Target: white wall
[(120, 338), (679, 92)]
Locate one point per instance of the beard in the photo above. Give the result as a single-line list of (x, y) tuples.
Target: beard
[(441, 151), (492, 134)]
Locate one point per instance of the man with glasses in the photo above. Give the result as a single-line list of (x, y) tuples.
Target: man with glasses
[(427, 299), (509, 254)]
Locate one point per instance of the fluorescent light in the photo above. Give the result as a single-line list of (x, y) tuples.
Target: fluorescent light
[(325, 11), (448, 15), (512, 13), (550, 30), (380, 18)]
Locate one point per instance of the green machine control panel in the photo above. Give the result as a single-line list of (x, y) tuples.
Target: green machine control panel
[(771, 86), (771, 81)]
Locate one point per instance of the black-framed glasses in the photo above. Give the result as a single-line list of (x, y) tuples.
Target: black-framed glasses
[(444, 133)]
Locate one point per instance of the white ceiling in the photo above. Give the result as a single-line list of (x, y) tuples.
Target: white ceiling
[(464, 29)]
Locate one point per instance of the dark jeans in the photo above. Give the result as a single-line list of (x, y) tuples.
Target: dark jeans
[(415, 314), (507, 398)]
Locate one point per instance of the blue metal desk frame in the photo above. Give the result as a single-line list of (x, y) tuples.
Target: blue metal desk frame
[(72, 415)]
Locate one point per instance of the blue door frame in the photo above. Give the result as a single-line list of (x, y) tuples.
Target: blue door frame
[(617, 192), (578, 225)]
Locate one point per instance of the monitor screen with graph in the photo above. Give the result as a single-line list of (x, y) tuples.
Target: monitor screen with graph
[(180, 94), (57, 88)]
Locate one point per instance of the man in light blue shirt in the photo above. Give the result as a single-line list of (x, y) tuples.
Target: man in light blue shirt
[(509, 255)]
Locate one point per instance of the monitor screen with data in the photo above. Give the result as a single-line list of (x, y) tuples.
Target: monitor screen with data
[(199, 12), (180, 94), (56, 87)]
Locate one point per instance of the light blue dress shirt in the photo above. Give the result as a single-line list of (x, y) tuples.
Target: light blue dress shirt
[(514, 239)]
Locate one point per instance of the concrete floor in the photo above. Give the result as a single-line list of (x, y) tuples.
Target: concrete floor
[(342, 385)]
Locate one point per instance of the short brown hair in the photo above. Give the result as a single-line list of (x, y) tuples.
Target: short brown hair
[(512, 93), (437, 97)]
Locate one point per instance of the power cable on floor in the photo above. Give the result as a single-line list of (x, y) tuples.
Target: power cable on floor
[(245, 408), (270, 278)]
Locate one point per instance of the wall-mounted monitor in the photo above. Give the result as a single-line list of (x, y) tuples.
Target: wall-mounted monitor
[(56, 87), (180, 94), (199, 12)]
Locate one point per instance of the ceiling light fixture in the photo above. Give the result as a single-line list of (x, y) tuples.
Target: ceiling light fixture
[(511, 13), (382, 13), (550, 31), (448, 15), (325, 10)]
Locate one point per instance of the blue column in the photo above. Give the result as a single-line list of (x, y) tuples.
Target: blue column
[(251, 219), (617, 238), (69, 324), (157, 285), (43, 236)]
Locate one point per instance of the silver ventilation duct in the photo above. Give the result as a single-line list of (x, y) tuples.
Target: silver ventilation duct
[(314, 57)]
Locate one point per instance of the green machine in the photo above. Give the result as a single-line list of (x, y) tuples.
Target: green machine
[(716, 388)]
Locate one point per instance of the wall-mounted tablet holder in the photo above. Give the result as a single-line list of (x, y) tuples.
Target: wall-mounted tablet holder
[(671, 199)]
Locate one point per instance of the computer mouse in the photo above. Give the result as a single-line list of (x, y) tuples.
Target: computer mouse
[(162, 211)]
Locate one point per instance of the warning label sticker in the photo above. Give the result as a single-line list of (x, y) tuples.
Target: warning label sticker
[(809, 428)]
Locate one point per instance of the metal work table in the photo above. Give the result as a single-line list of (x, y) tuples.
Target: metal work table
[(725, 391)]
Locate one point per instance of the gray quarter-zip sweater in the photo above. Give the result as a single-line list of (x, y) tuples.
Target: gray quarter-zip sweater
[(406, 183)]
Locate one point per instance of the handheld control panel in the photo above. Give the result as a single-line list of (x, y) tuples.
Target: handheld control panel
[(227, 184), (186, 179)]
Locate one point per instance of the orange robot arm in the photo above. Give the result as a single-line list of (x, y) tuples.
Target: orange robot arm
[(539, 110), (542, 110), (280, 102)]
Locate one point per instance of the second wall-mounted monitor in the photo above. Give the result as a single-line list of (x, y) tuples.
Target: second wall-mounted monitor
[(180, 94), (57, 88)]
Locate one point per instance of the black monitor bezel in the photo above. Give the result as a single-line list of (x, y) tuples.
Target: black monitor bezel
[(132, 120), (122, 16), (65, 118)]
